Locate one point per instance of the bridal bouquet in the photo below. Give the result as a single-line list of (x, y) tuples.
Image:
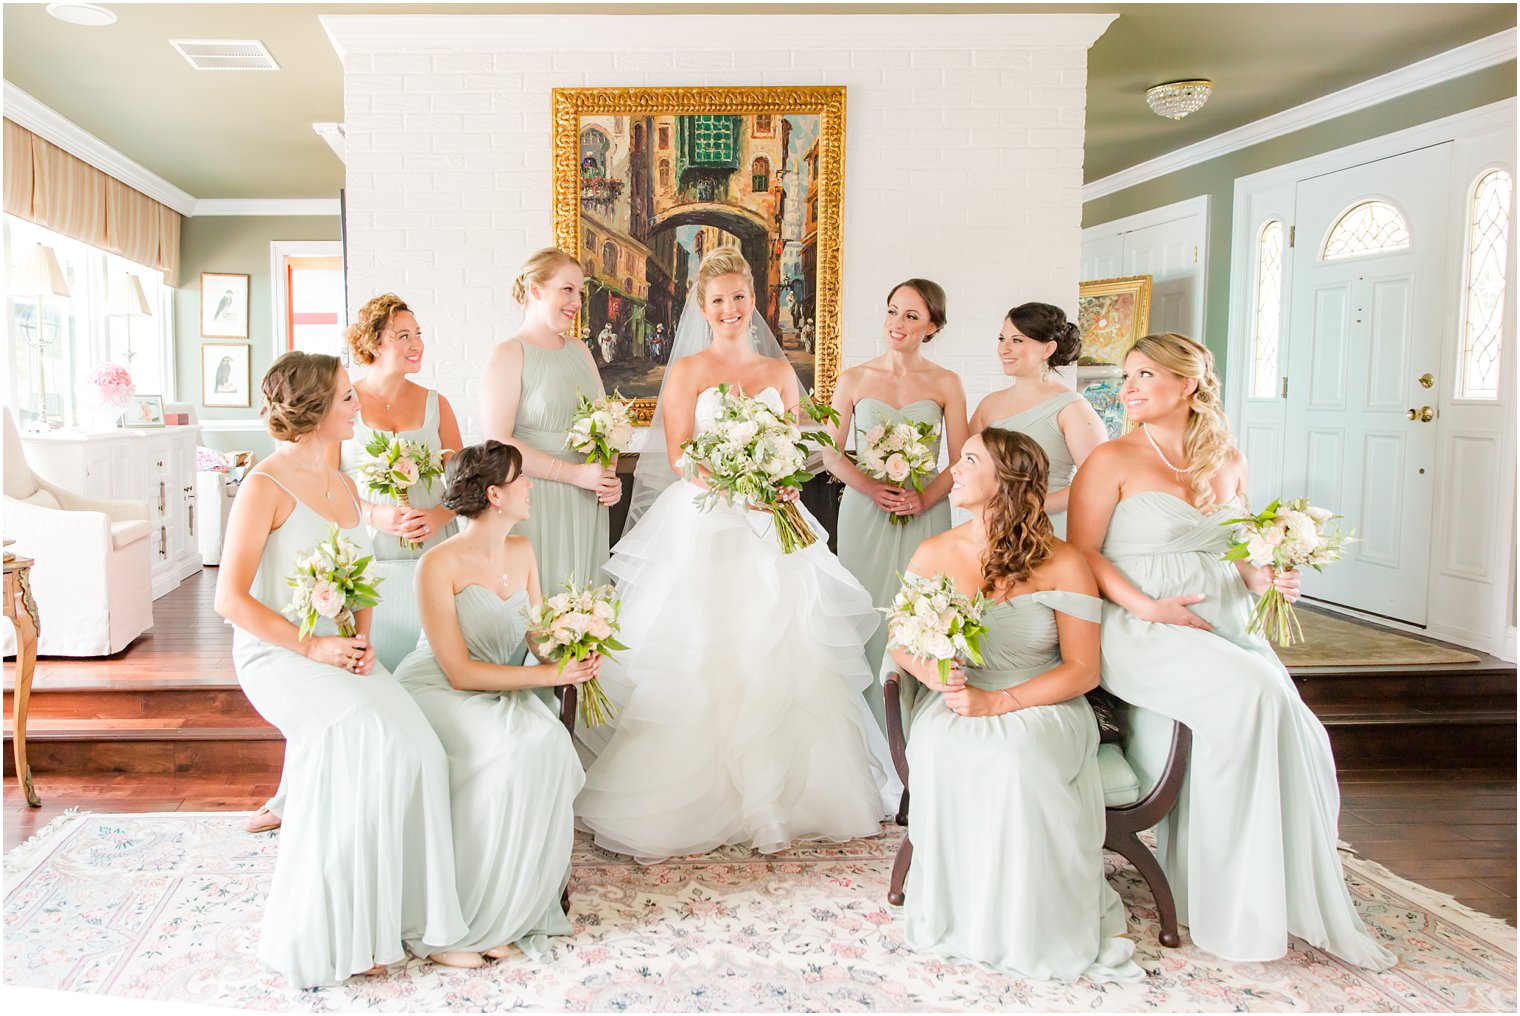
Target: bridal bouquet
[(1286, 537), (601, 428), (395, 466), (751, 452), (571, 625), (931, 620), (905, 455), (332, 581)]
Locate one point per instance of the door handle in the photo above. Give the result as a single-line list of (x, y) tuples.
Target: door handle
[(1427, 380), (1424, 414)]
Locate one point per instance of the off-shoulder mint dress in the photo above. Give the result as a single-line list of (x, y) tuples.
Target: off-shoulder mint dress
[(568, 528), (1041, 423), (871, 546), (1007, 821), (1250, 849), (513, 775)]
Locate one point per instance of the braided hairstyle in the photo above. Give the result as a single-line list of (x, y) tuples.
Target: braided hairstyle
[(474, 468), (1206, 439), (1019, 533), (298, 391), (1045, 322)]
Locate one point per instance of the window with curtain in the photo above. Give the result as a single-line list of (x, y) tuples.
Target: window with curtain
[(1483, 298)]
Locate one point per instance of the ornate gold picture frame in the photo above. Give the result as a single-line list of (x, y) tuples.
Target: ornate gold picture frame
[(1112, 314), (646, 180)]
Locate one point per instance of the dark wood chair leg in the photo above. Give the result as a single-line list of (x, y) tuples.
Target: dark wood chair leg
[(567, 698), (564, 900), (1125, 823), (902, 808), (900, 873), (1132, 850)]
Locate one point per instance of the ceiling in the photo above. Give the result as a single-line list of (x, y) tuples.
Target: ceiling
[(249, 135)]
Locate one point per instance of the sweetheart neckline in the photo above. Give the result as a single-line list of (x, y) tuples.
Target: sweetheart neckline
[(1181, 501), (487, 590), (898, 409)]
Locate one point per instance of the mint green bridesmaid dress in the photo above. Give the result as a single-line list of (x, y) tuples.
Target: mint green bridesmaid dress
[(1250, 849), (513, 775), (1007, 821), (1040, 423), (395, 624), (874, 549), (568, 528)]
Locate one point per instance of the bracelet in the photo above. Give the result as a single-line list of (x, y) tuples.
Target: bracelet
[(369, 514), (1017, 705), (554, 471)]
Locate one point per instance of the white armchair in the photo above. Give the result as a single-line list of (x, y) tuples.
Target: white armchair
[(93, 577)]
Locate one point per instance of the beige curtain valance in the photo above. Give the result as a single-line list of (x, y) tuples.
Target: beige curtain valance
[(48, 186)]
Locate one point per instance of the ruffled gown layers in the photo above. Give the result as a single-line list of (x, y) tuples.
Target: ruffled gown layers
[(395, 624), (1007, 821), (871, 545), (365, 859), (1250, 849), (568, 528), (513, 774), (741, 715), (1041, 423)]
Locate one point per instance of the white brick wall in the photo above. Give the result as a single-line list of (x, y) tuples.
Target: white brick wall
[(963, 163)]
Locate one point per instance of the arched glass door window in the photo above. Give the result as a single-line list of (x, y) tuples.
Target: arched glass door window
[(1371, 227)]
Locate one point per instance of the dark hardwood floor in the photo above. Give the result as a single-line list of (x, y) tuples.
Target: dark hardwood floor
[(1451, 829)]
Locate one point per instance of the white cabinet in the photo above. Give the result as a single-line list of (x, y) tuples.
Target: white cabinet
[(156, 466)]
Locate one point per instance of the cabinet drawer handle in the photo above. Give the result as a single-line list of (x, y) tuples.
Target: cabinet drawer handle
[(163, 542), (163, 494)]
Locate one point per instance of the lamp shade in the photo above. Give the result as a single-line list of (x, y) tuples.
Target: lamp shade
[(128, 298), (38, 274)]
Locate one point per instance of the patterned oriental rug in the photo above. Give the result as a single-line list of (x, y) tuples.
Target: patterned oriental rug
[(167, 906)]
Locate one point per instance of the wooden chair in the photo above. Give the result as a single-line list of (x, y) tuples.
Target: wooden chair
[(567, 698), (1124, 823)]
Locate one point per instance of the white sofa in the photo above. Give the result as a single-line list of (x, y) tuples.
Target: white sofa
[(92, 577)]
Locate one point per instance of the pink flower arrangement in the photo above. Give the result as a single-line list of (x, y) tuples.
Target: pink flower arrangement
[(111, 385)]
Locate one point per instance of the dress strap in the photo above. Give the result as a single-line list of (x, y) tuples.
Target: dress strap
[(430, 414), (1079, 605)]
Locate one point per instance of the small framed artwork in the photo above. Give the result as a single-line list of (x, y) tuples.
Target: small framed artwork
[(224, 306), (145, 411), (1112, 314), (226, 376)]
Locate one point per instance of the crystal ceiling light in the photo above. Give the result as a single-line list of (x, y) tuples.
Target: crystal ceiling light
[(1176, 99)]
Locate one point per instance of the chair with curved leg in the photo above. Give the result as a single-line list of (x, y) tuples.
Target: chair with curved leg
[(1128, 812), (566, 695)]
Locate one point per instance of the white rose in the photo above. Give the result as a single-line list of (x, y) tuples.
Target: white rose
[(939, 646), (1319, 515), (744, 433), (1273, 535), (897, 469), (599, 628), (875, 434), (1260, 550), (620, 437), (904, 433), (560, 603), (603, 609), (404, 472), (327, 598), (1301, 529), (601, 420)]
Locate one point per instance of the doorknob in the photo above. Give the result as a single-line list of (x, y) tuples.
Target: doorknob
[(1424, 414), (1427, 380)]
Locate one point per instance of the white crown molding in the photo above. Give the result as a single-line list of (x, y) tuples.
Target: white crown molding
[(352, 33), (1454, 63), (266, 206), (49, 124)]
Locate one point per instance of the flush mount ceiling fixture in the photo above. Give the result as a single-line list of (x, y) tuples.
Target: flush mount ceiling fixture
[(82, 14), (225, 54), (1176, 99)]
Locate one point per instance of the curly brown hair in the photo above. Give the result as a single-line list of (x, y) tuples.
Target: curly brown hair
[(474, 468), (364, 334), (298, 391), (1019, 533)]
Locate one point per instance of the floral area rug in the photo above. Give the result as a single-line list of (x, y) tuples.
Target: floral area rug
[(167, 906)]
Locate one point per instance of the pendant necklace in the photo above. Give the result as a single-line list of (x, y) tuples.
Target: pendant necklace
[(1162, 455)]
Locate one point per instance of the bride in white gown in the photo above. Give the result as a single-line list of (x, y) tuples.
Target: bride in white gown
[(741, 719)]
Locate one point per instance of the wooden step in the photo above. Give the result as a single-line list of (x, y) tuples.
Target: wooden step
[(200, 705), (147, 746)]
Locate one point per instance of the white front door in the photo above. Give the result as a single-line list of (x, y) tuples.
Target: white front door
[(1370, 287)]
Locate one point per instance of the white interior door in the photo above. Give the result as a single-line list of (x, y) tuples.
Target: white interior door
[(1364, 327), (1168, 253)]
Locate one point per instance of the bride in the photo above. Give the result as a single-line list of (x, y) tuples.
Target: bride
[(741, 719)]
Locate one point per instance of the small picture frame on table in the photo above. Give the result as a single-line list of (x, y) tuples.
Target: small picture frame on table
[(226, 375), (145, 411)]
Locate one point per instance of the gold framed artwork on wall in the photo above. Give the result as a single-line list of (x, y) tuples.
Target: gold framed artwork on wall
[(648, 180), (1112, 314)]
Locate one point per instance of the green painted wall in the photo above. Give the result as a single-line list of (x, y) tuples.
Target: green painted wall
[(234, 244), (1217, 177)]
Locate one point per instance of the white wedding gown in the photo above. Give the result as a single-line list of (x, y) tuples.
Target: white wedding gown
[(741, 719)]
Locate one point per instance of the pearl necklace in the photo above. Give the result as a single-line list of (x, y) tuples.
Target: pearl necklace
[(1162, 455)]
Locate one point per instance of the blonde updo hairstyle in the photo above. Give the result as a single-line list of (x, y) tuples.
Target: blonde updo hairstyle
[(538, 269), (365, 333), (718, 263), (298, 392), (1019, 533), (1206, 439)]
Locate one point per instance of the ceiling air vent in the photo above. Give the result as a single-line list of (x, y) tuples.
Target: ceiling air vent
[(225, 54)]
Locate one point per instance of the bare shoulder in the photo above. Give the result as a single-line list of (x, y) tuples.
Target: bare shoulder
[(1067, 568), (934, 553), (945, 380), (1109, 454), (505, 354)]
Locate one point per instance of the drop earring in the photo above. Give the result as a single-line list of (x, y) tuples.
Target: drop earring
[(1045, 371)]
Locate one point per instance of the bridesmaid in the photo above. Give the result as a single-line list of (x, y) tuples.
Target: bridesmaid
[(532, 385), (513, 772), (366, 859), (901, 384), (1251, 847), (1035, 338), (1007, 820)]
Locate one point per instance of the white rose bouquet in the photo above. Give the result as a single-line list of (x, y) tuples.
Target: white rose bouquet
[(904, 454), (333, 581), (572, 624), (931, 620), (1286, 537), (601, 428), (751, 452), (395, 466)]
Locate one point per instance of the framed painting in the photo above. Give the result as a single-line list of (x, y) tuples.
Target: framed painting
[(648, 180), (145, 411), (1112, 314), (224, 306), (226, 376)]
